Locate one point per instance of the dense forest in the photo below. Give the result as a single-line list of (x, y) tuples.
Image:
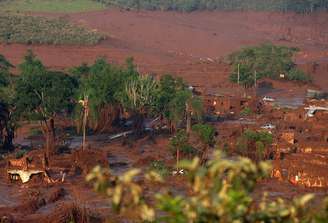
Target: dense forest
[(300, 6)]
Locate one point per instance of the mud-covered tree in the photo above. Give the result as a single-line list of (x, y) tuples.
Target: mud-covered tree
[(137, 98), (7, 122), (102, 82), (6, 127), (42, 95), (254, 144)]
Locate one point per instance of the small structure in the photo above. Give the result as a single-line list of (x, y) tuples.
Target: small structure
[(24, 169), (313, 109), (225, 102)]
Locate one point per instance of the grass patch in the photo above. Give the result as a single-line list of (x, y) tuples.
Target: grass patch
[(39, 30), (50, 5)]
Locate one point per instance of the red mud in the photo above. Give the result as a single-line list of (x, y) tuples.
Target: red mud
[(190, 45), (186, 44)]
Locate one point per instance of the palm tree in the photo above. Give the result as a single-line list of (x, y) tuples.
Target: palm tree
[(137, 97)]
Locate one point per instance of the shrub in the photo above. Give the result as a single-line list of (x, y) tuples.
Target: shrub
[(159, 167), (254, 144), (246, 112), (298, 75), (39, 30), (205, 132), (180, 142)]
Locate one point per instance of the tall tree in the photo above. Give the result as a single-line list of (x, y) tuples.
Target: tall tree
[(7, 123), (42, 95), (175, 102)]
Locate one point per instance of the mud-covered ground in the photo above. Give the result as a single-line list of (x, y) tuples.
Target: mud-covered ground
[(191, 45)]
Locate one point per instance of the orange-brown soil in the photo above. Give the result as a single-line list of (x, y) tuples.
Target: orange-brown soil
[(191, 45)]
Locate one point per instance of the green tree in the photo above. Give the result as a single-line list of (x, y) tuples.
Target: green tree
[(103, 82), (42, 95), (183, 106), (7, 121), (176, 103), (206, 134)]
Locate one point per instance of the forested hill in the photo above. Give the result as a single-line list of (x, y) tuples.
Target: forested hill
[(300, 6)]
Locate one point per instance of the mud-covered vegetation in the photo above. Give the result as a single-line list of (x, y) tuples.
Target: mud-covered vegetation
[(39, 30), (302, 6), (50, 5), (267, 60), (254, 145)]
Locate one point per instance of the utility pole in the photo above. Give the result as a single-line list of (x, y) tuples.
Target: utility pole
[(255, 84), (85, 105), (238, 74)]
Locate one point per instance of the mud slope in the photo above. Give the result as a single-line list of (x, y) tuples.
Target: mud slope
[(178, 42)]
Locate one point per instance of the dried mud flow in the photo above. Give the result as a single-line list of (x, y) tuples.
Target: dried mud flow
[(193, 46)]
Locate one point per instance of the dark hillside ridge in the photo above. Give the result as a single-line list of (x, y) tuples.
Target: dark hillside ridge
[(299, 6)]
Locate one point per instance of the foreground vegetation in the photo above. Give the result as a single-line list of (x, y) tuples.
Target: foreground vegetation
[(219, 191), (38, 30), (302, 6), (50, 5)]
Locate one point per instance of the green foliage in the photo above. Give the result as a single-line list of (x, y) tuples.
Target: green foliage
[(246, 111), (298, 75), (221, 191), (50, 5), (266, 60), (159, 167), (180, 142), (39, 30), (254, 144), (205, 132), (138, 93), (168, 87), (301, 6), (177, 105), (20, 153), (40, 94), (101, 82)]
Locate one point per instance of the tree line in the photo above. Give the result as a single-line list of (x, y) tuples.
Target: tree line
[(299, 6), (43, 95)]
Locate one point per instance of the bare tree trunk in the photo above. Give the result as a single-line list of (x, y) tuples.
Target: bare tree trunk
[(50, 134)]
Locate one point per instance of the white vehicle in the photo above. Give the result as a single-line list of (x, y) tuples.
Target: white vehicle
[(269, 99), (268, 126)]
